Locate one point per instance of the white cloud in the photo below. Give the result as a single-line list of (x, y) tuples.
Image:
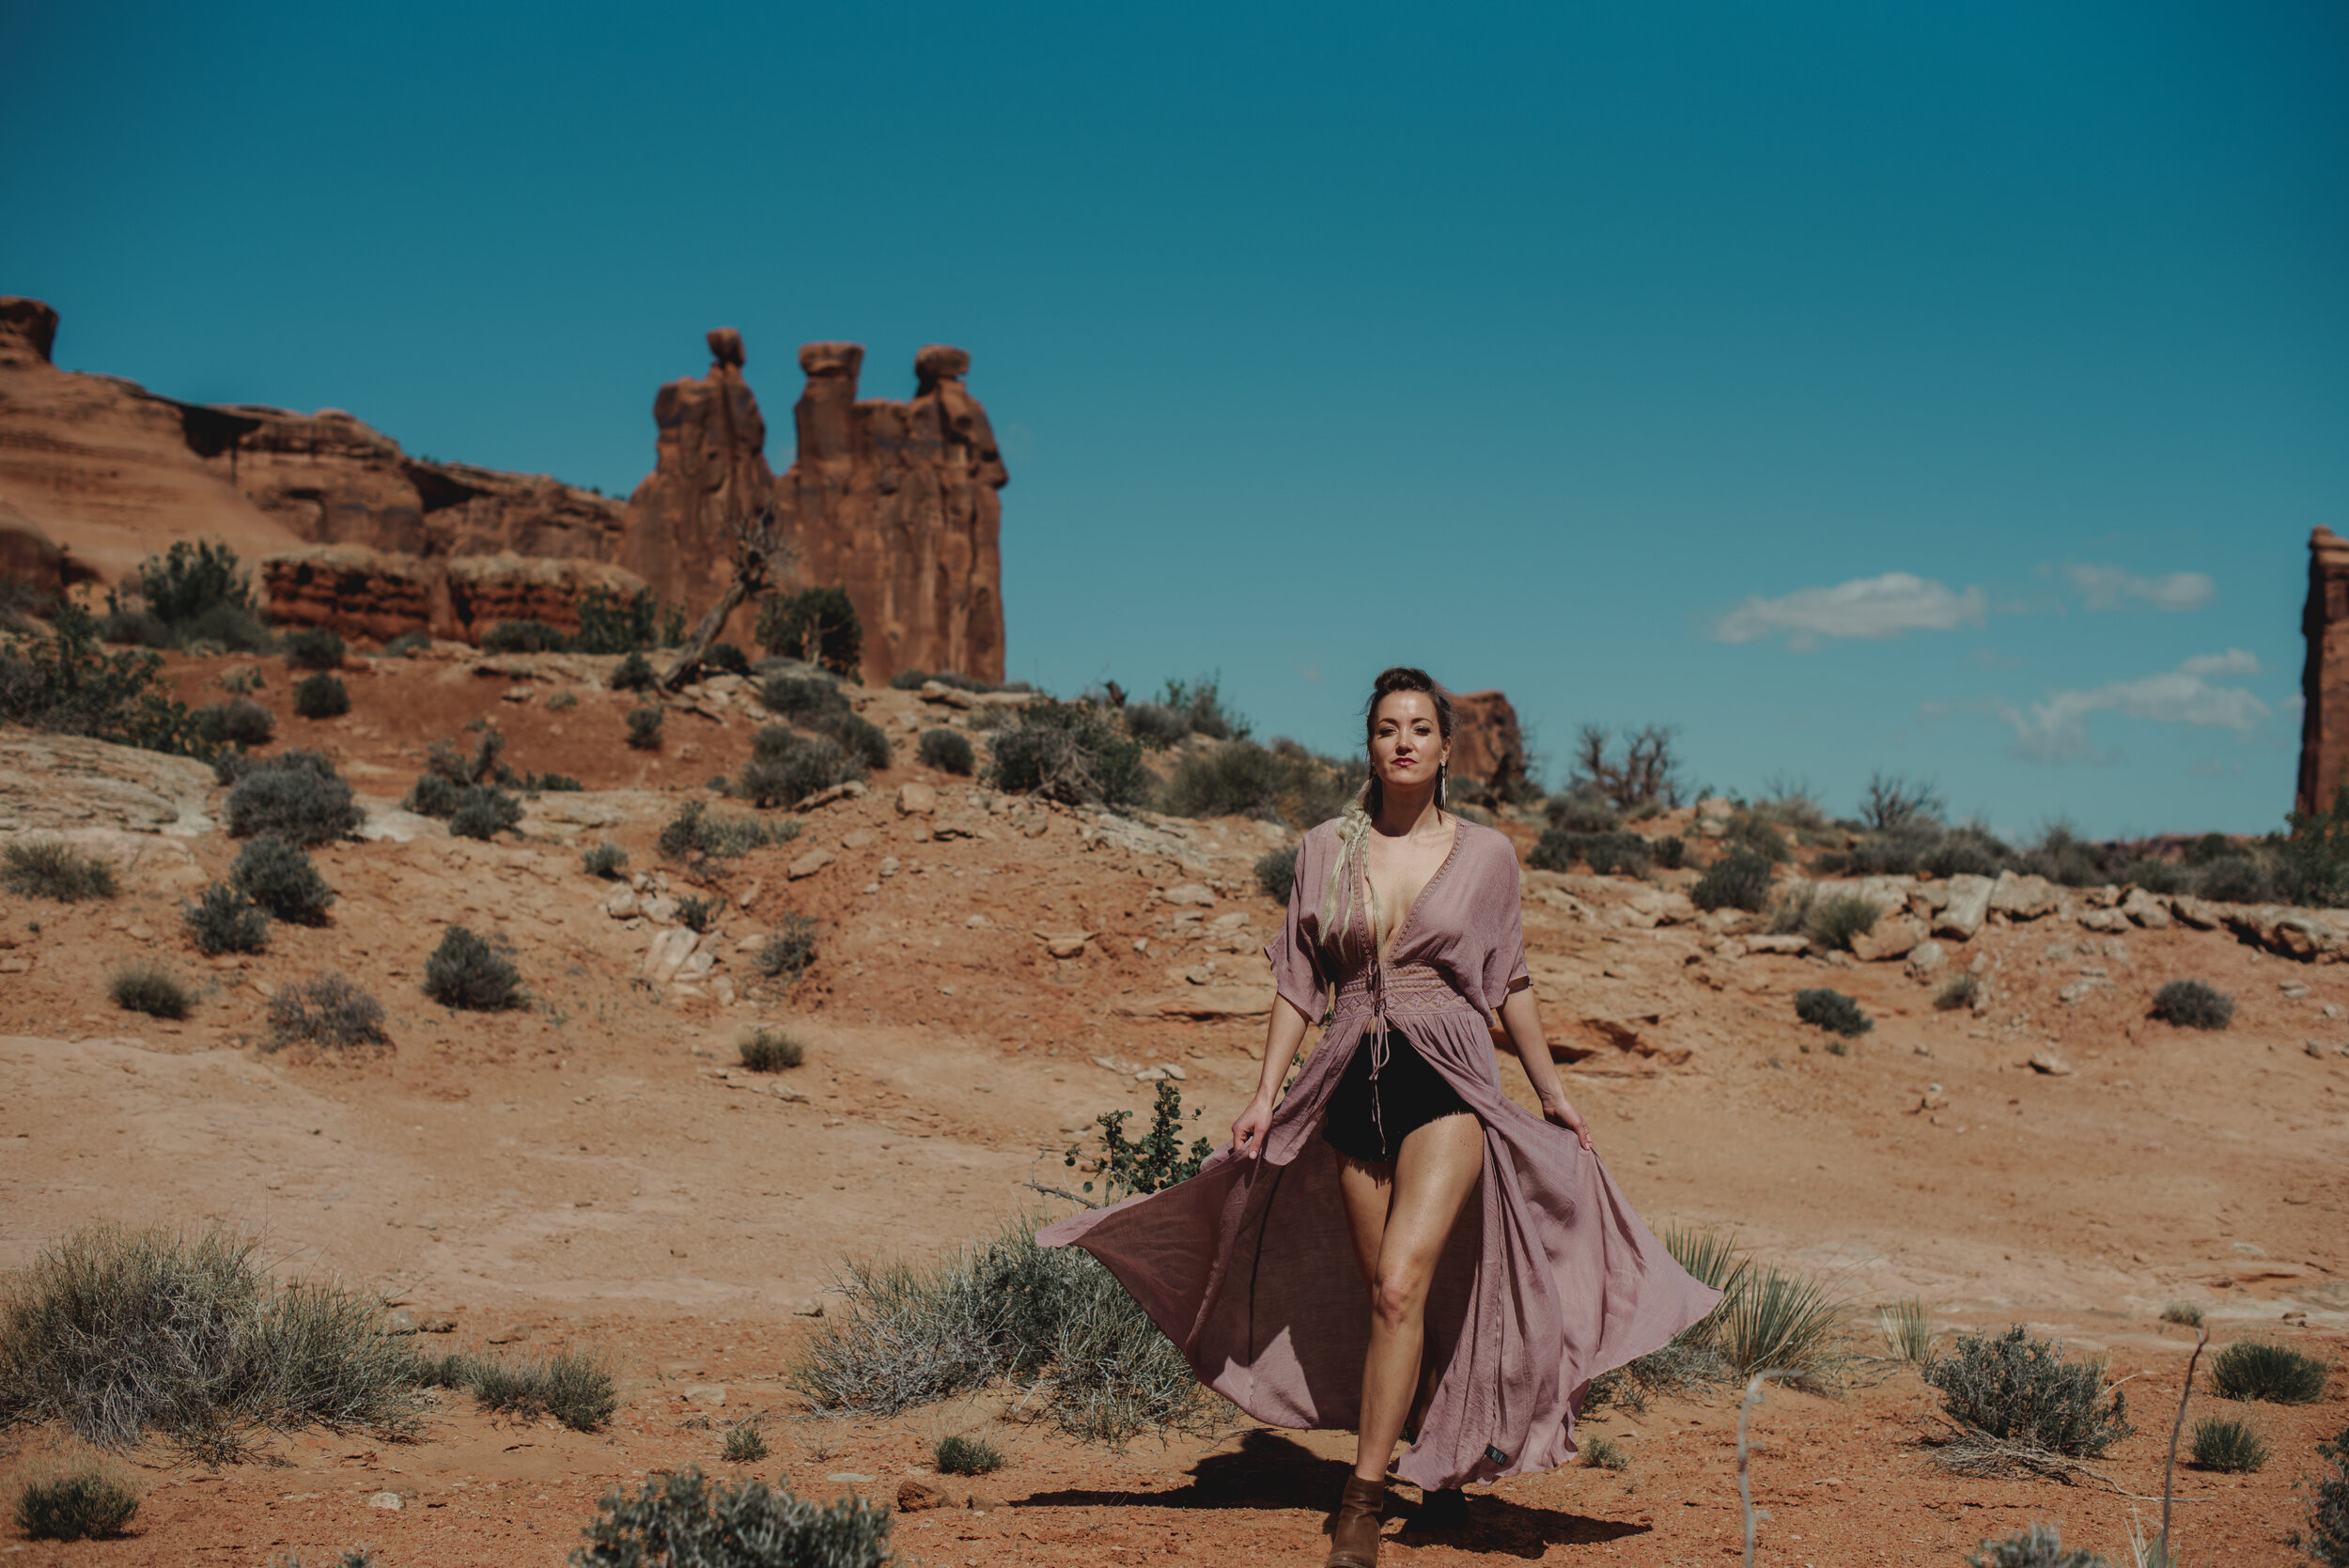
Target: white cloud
[(2113, 587), (2055, 729), (1866, 607)]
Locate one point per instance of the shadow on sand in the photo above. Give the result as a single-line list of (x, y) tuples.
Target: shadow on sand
[(1270, 1471)]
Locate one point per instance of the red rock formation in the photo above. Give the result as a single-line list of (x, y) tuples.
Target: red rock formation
[(381, 593), (2325, 675), (895, 501), (1487, 746)]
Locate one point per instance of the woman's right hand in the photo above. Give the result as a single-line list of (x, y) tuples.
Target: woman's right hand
[(1248, 1129)]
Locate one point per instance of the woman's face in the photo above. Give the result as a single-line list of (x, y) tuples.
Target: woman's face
[(1407, 744)]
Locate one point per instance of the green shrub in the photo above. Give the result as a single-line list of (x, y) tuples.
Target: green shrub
[(744, 1445), (1738, 881), (194, 596), (484, 813), (85, 1505), (2040, 1546), (959, 1455), (1240, 778), (239, 722), (681, 1519), (610, 624), (117, 1332), (786, 768), (1604, 1453), (698, 914), (1908, 1328), (644, 728), (816, 626), (320, 696), (1154, 1161), (632, 673), (150, 988), (769, 1051), (313, 647), (1052, 1320), (1836, 919), (2018, 1389), (52, 868), (1754, 834), (725, 659), (407, 643), (2191, 1005), (1671, 853), (606, 860), (296, 796), (1184, 708), (576, 1389), (860, 737), (2235, 880), (523, 637), (786, 954), (329, 1010), (222, 920), (1962, 991), (1832, 1011), (1583, 811), (948, 751), (2184, 1312), (2255, 1369), (1071, 752), (434, 795), (550, 784), (1276, 872), (467, 972), (280, 877), (1619, 854), (562, 700), (2229, 1446), (2327, 1536), (694, 830), (66, 684), (1771, 1317), (802, 697)]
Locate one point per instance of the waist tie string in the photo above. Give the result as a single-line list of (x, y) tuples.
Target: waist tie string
[(1379, 1052)]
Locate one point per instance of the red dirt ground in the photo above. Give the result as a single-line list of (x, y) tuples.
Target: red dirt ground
[(581, 1172)]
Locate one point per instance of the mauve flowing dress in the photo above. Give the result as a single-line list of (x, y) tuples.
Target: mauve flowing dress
[(1549, 1280)]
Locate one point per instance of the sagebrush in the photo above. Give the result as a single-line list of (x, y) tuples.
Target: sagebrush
[(330, 1010), (87, 1504), (682, 1519), (2261, 1370), (52, 869), (469, 972), (2018, 1389)]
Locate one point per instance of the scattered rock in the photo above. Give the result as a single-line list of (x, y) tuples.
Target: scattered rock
[(668, 952), (621, 903), (710, 1394), (1892, 936), (2198, 913), (852, 790), (1782, 942), (389, 1501), (2146, 909), (983, 1502), (1925, 959), (916, 799), (2103, 920), (1196, 894), (809, 864), (1200, 1002), (748, 895), (2047, 1062), (400, 1323), (915, 1497), (850, 1477), (1067, 944), (1969, 902)]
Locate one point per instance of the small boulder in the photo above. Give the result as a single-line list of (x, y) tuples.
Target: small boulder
[(809, 864), (1969, 902), (916, 1496), (2047, 1062), (1892, 936), (1196, 894), (916, 799), (2146, 909), (983, 1502), (2023, 897), (1925, 959)]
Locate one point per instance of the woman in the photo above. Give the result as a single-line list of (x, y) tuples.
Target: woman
[(1503, 1269)]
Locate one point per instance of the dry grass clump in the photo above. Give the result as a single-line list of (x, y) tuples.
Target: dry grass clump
[(150, 988), (85, 1504), (1051, 1319), (2228, 1446), (744, 1445), (2014, 1402), (119, 1333), (1604, 1453), (606, 860), (1962, 991), (2183, 1312), (331, 1010), (769, 1051), (53, 869), (680, 1517), (2191, 1005), (574, 1387), (1832, 921), (785, 954), (2255, 1369), (1908, 1328), (959, 1455)]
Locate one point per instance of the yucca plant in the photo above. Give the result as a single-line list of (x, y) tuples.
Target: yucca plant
[(1908, 1327)]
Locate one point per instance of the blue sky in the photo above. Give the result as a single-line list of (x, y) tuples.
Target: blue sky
[(1942, 389)]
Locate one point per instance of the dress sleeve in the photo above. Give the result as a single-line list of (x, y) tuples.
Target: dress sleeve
[(1295, 955), (1504, 958)]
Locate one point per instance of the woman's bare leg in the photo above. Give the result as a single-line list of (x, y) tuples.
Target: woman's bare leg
[(1435, 1171)]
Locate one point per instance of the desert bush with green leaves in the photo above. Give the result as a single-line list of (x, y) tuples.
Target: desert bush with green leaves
[(2263, 1369), (2227, 1446), (2040, 1546), (788, 952), (786, 768), (144, 986), (119, 1333), (1832, 921), (321, 696), (606, 860), (471, 973), (960, 1456), (1183, 709), (682, 1519), (282, 879), (1069, 752), (644, 727), (52, 869), (313, 647), (768, 1051), (224, 920), (1738, 880), (632, 673), (948, 751), (1832, 1011), (1276, 872), (239, 722), (1240, 778), (90, 1503), (2326, 1504), (296, 796), (64, 683), (817, 626), (523, 637), (483, 812), (2192, 1004), (195, 596), (696, 832), (329, 1010), (2016, 1389)]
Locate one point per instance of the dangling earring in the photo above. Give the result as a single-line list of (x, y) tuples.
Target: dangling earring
[(1443, 772)]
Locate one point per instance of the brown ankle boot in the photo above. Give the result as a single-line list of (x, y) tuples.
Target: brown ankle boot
[(1354, 1537)]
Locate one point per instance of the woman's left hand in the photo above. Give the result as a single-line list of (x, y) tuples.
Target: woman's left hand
[(1559, 1112)]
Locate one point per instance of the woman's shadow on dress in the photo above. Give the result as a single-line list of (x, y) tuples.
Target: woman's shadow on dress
[(1270, 1471)]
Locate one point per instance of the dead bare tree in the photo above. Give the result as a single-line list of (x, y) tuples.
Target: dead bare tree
[(760, 552), (1647, 773)]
